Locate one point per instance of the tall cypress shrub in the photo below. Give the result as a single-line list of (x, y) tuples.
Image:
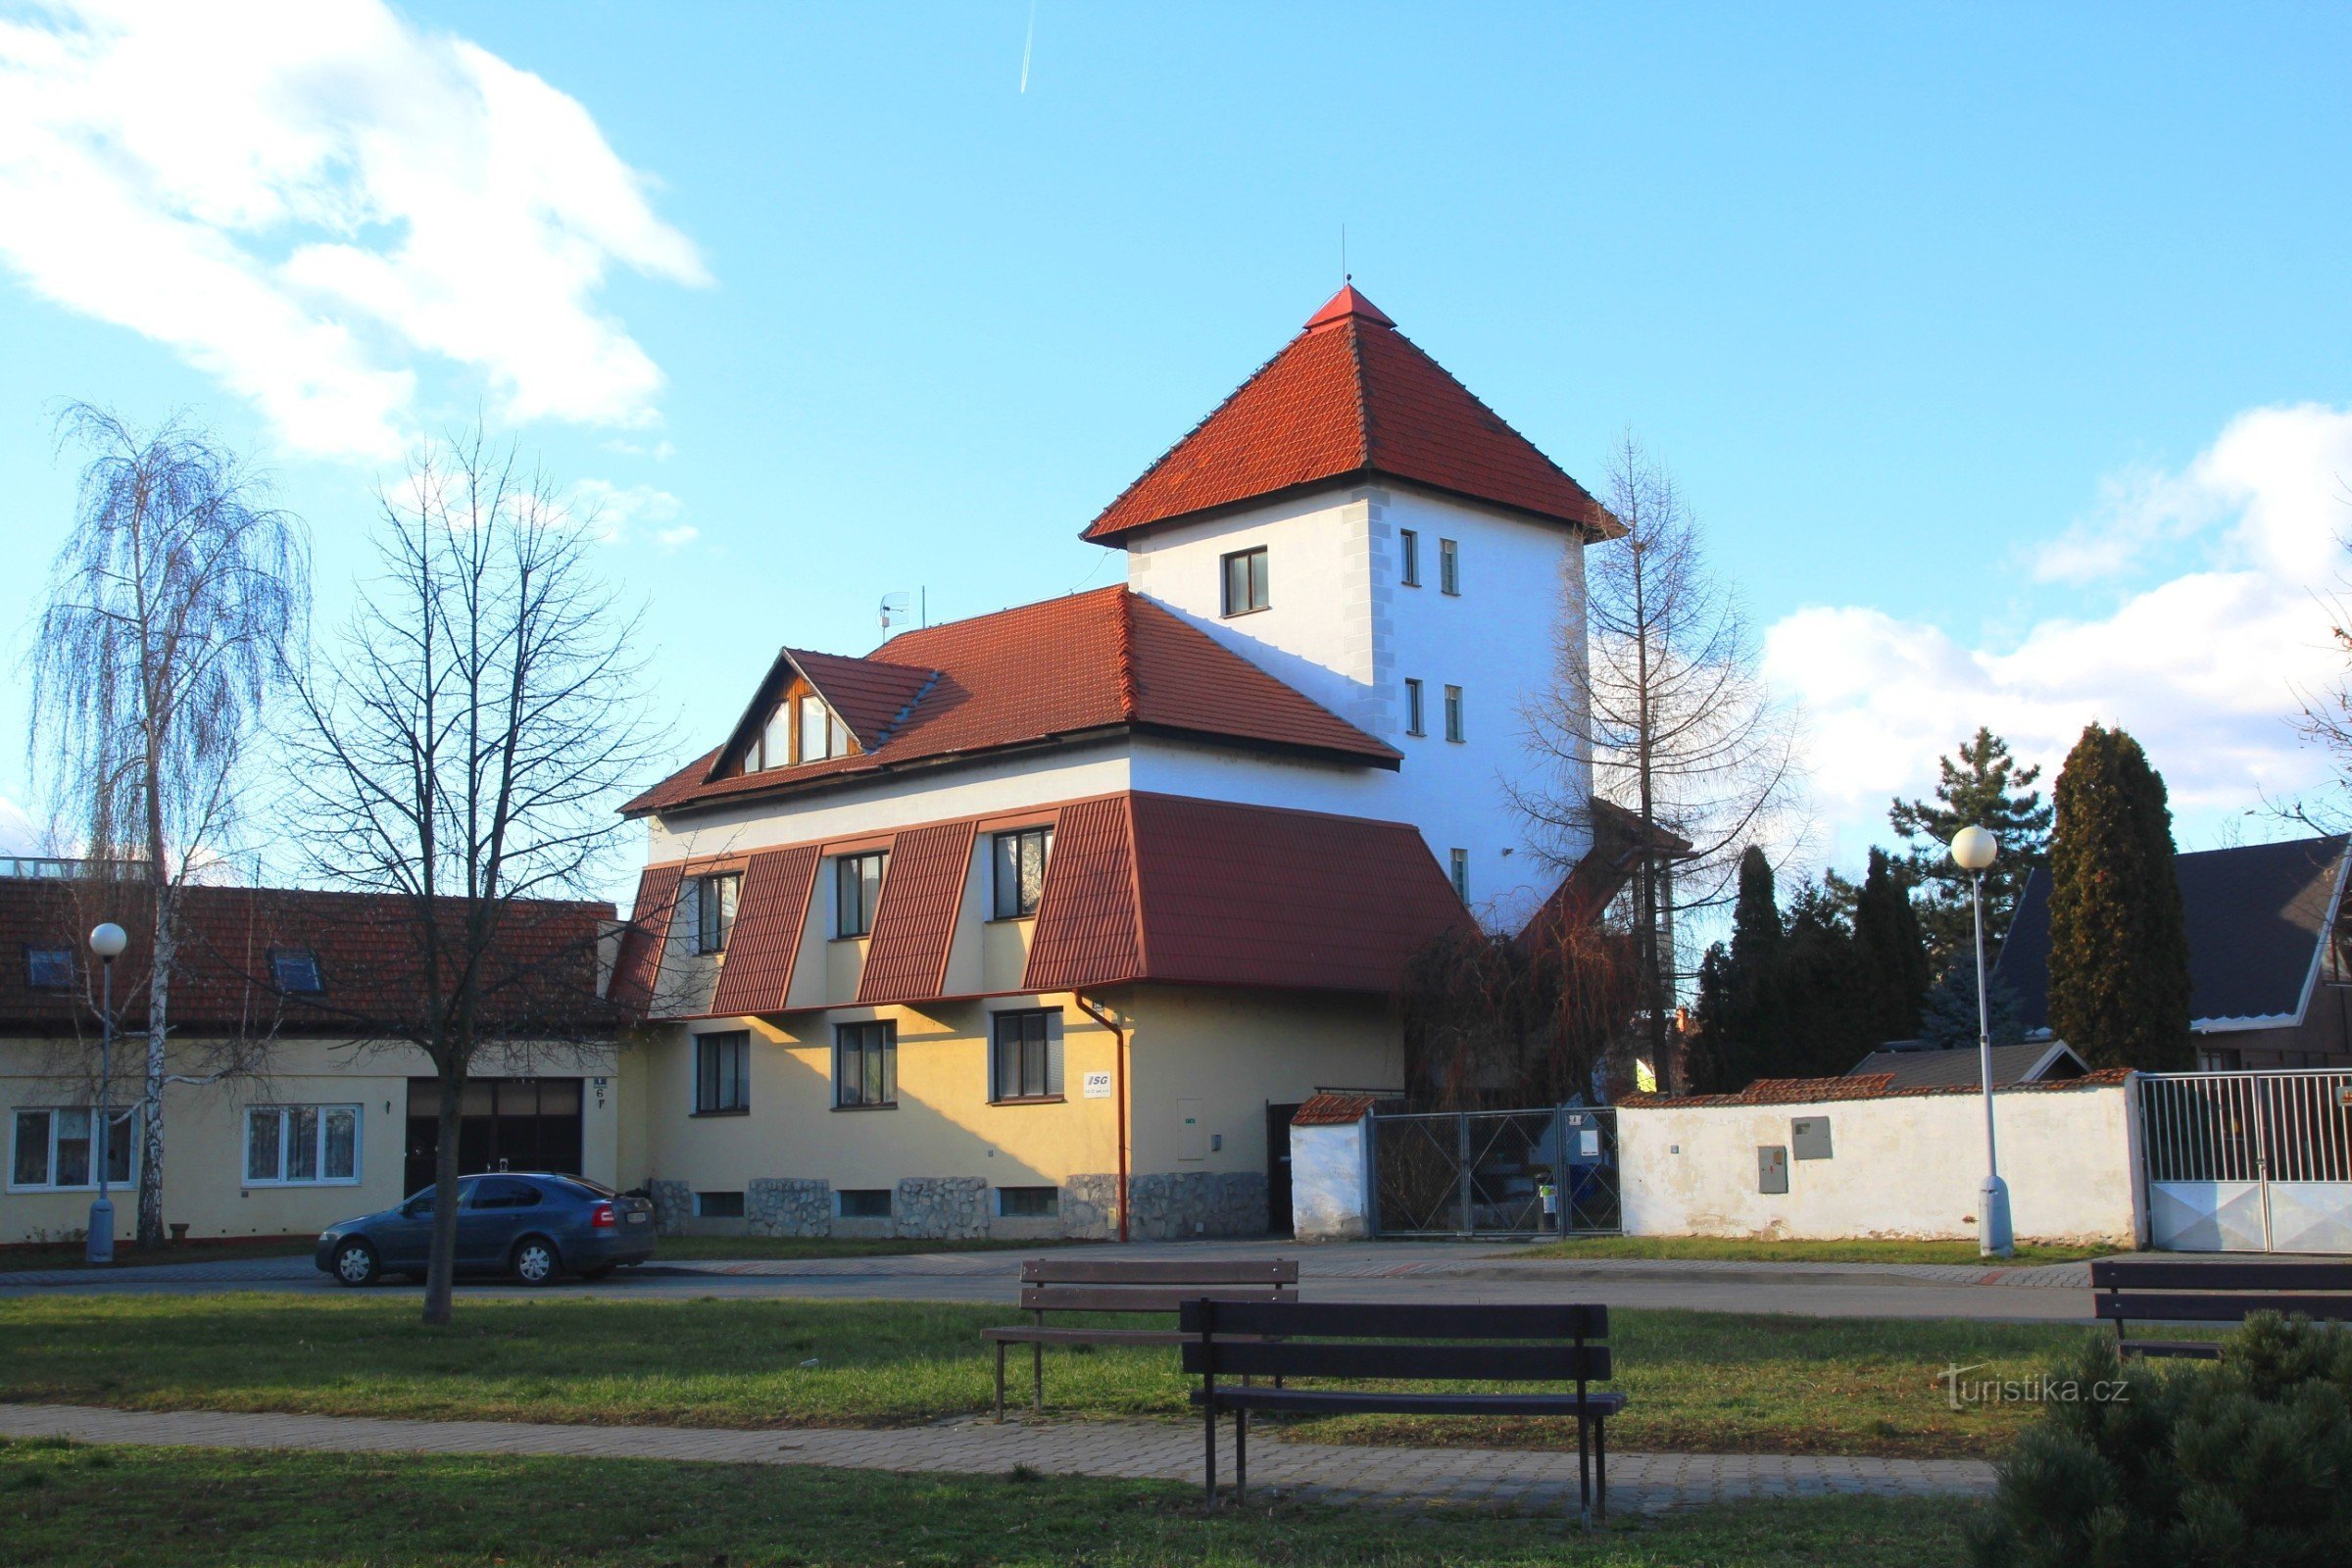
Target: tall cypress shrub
[(2118, 986), (1739, 1028), (1891, 954)]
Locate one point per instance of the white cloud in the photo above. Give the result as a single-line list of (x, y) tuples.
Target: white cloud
[(17, 833), (614, 511), (2202, 666), (305, 199), (675, 539)]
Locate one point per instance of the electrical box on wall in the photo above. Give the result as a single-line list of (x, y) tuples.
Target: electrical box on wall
[(1772, 1168), (1809, 1137)]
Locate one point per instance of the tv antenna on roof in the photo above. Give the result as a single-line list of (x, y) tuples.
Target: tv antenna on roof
[(895, 603)]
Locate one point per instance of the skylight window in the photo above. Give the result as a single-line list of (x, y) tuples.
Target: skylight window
[(295, 972)]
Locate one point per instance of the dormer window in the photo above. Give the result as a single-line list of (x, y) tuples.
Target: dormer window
[(295, 972), (802, 729), (822, 734)]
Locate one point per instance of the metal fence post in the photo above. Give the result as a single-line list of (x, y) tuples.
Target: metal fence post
[(1462, 1124)]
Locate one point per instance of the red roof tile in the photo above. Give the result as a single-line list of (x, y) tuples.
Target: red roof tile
[(1088, 662), (1334, 1111), (1349, 397), (914, 921), (1862, 1086), (1087, 925), (769, 913), (639, 963)]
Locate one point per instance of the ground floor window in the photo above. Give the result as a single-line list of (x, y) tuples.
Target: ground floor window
[(722, 1072), (866, 1064), (1028, 1203), (290, 1145), (864, 1203), (1022, 1058), (54, 1148)]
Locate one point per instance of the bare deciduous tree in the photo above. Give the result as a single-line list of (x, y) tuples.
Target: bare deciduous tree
[(463, 747), (170, 609), (1658, 699)]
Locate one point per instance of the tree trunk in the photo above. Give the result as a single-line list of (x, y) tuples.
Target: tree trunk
[(441, 1267), (151, 1098)]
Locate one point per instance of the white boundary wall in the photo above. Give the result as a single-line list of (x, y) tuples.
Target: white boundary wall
[(1331, 1182), (1901, 1166)]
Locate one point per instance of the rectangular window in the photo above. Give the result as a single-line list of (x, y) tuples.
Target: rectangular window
[(1453, 712), (822, 734), (714, 910), (301, 1145), (722, 1072), (1245, 582), (1449, 567), (866, 1064), (856, 889), (864, 1203), (1409, 554), (52, 1147), (49, 969), (1462, 876), (295, 972), (718, 1205), (1029, 1203), (1020, 870), (1022, 1064), (1412, 707), (775, 740)]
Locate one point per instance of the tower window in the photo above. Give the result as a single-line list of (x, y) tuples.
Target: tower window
[(1461, 874), (1408, 553), (1412, 707), (1449, 567), (1245, 582), (1453, 712)]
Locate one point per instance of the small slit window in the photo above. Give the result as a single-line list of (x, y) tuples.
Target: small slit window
[(1450, 567), (1413, 718), (1408, 556)]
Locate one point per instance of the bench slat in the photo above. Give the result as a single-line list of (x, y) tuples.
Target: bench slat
[(2163, 1306), (1138, 1299), (1036, 1333), (1401, 1321), (1230, 1271), (2248, 1274), (1325, 1359), (1263, 1397)]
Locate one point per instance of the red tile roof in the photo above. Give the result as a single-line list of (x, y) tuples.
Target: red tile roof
[(915, 921), (1241, 896), (1861, 1086), (1350, 398), (638, 966), (1090, 662), (769, 913), (1334, 1111), (541, 974)]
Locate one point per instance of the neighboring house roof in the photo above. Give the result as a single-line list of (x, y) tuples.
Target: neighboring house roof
[(1091, 663), (2258, 920), (1874, 1086), (541, 974), (1138, 887), (1350, 398), (2032, 1061)]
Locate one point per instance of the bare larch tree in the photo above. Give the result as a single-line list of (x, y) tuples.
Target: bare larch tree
[(463, 744), (1657, 697), (172, 611)]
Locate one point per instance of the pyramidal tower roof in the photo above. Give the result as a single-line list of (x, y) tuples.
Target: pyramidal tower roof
[(1350, 398)]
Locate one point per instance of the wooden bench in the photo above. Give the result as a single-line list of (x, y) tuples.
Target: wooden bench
[(2158, 1290), (1095, 1285), (1329, 1340)]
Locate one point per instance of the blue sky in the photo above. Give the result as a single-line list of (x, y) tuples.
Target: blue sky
[(2002, 352)]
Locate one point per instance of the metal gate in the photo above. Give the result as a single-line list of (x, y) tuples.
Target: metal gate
[(1483, 1172), (2248, 1162)]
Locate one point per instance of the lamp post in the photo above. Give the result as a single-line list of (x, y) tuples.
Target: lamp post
[(107, 941), (1973, 851)]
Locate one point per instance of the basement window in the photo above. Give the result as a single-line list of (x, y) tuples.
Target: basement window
[(864, 1203), (1028, 1203), (718, 1205)]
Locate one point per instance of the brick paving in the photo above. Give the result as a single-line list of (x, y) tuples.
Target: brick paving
[(1465, 1478)]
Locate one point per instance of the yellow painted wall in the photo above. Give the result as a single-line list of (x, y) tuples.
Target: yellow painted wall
[(204, 1144)]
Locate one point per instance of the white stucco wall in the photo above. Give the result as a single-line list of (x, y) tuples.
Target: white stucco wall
[(1331, 1182), (1344, 627), (1908, 1166)]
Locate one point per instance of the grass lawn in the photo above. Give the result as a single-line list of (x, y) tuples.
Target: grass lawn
[(1742, 1249), (22, 1258), (184, 1507), (1697, 1382)]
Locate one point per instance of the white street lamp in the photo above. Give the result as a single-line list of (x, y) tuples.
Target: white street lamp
[(107, 941), (1973, 851)]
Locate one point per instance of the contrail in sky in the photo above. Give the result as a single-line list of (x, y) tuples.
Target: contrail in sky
[(1028, 44)]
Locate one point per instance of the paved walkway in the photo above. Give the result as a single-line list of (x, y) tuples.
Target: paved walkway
[(1501, 1480)]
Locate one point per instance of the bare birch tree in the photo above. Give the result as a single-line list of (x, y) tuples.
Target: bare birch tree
[(1658, 699), (465, 744), (170, 610)]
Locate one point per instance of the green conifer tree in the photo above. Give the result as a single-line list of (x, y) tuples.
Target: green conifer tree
[(1736, 1026), (1982, 785), (1890, 953), (2119, 990)]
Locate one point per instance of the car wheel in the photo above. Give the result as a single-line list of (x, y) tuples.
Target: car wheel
[(354, 1263), (537, 1261)]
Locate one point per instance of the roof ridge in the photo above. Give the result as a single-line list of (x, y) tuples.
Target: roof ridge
[(981, 615), (1363, 391)]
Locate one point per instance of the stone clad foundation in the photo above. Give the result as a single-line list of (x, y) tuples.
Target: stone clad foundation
[(1167, 1207)]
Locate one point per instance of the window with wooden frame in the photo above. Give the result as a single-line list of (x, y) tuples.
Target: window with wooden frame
[(865, 1065), (773, 749), (1020, 871), (1023, 1063), (1408, 557), (1453, 712), (1450, 567), (714, 909), (722, 1073), (856, 889), (822, 735), (1412, 707), (1245, 582)]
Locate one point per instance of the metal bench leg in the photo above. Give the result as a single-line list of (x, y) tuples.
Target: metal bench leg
[(999, 1382), (1584, 1466), (1037, 1366), (1600, 1469), (1208, 1413), (1241, 1454)]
